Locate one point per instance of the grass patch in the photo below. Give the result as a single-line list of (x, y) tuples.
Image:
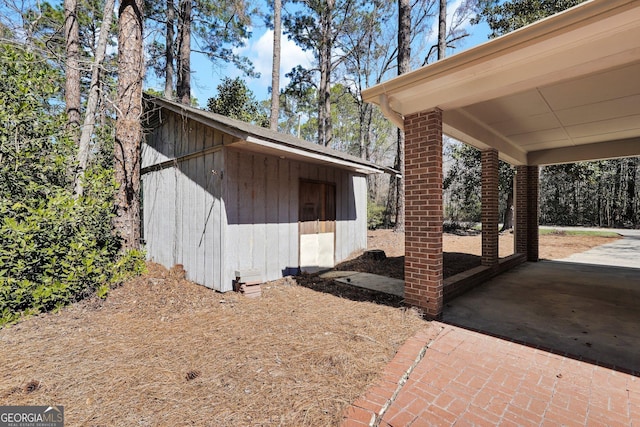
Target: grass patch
[(593, 233)]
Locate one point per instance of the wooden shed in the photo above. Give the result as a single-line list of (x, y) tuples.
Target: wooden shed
[(221, 196)]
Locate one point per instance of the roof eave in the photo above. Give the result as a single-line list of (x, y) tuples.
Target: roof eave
[(239, 135), (544, 29)]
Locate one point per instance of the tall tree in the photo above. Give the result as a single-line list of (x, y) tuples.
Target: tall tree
[(324, 59), (72, 66), (442, 30), (183, 89), (275, 69), (207, 27), (169, 50), (316, 26), (128, 127), (404, 66), (93, 97)]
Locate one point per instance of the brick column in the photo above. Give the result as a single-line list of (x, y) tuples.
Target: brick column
[(423, 212), (532, 213), (526, 218), (521, 205), (490, 165)]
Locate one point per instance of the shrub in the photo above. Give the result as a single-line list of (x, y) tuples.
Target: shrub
[(54, 248), (375, 215)]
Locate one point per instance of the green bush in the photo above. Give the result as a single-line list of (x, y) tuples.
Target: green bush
[(54, 248), (375, 215)]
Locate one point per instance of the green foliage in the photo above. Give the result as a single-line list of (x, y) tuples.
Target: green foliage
[(601, 193), (54, 248), (218, 28), (237, 101), (375, 215), (462, 183), (504, 17)]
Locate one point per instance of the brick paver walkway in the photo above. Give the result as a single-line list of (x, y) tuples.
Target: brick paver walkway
[(447, 375)]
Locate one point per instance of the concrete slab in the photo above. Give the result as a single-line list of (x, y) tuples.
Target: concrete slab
[(336, 274), (624, 252), (376, 283), (588, 311)]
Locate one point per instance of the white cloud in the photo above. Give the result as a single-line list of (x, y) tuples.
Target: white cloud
[(260, 52)]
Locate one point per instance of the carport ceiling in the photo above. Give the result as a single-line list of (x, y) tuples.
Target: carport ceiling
[(564, 89)]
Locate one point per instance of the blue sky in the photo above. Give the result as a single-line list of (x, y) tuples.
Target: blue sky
[(206, 76)]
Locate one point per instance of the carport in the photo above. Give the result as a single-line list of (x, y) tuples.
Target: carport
[(562, 90)]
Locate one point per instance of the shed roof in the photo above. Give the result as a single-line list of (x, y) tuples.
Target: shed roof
[(258, 139), (563, 89)]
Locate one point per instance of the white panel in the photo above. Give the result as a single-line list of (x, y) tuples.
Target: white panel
[(316, 252), (326, 250), (360, 232)]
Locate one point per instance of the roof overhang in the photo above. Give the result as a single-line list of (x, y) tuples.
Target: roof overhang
[(248, 137), (564, 89)]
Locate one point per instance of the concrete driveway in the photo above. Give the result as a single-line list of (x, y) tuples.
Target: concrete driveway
[(624, 252)]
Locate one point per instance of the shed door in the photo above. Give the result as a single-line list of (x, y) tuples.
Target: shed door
[(317, 225)]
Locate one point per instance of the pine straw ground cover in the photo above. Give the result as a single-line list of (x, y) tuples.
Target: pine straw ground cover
[(163, 351)]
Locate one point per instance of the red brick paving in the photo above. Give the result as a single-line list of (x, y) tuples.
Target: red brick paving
[(470, 379)]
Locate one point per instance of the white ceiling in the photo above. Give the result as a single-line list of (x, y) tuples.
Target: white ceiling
[(564, 89)]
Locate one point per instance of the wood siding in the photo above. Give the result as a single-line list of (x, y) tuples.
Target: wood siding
[(231, 209)]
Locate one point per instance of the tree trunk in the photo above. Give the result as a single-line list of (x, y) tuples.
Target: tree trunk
[(184, 52), (507, 216), (72, 67), (93, 98), (442, 30), (128, 127), (169, 50), (404, 66), (324, 90), (275, 69)]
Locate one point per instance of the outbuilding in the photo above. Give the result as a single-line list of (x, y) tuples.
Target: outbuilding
[(222, 197)]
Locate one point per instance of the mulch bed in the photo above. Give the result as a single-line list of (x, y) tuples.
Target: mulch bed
[(163, 351)]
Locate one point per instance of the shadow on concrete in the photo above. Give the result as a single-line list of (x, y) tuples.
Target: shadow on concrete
[(587, 312), (392, 267)]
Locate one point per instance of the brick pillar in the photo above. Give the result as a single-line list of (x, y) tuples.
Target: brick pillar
[(526, 218), (423, 212), (521, 205), (490, 165), (532, 213)]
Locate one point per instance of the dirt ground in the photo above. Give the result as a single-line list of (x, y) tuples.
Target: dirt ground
[(163, 351)]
